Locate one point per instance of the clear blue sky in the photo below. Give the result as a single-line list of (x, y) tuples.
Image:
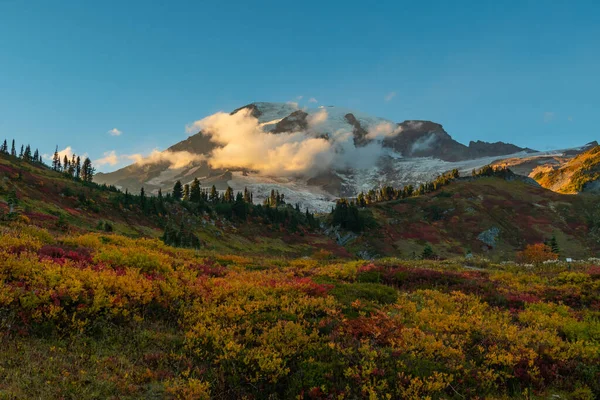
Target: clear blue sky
[(526, 72)]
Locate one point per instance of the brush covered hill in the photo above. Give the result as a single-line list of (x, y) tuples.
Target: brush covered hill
[(579, 174), (63, 205), (486, 215)]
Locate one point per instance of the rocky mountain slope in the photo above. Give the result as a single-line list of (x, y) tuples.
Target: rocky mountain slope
[(364, 152), (579, 174)]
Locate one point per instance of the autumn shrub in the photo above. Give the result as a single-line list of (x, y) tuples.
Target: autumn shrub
[(536, 254)]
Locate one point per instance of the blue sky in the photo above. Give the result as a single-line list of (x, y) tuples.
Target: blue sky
[(526, 72)]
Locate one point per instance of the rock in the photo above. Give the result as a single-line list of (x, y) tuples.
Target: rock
[(489, 237)]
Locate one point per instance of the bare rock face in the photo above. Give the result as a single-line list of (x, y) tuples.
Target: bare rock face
[(485, 149), (294, 122), (426, 139), (359, 133), (254, 110)]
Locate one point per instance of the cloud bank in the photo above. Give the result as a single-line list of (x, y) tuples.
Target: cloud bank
[(242, 143)]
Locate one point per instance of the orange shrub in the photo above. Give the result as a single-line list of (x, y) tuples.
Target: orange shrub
[(536, 254)]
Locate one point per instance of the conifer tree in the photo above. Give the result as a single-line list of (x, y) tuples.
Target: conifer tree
[(214, 195), (22, 151), (36, 156), (4, 148), (177, 191), (195, 192), (65, 167), (228, 196), (78, 167), (87, 170), (142, 198), (13, 150), (186, 192), (27, 153), (56, 160), (247, 196)]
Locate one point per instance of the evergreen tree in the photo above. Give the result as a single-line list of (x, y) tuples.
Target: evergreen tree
[(22, 151), (214, 195), (142, 198), (87, 170), (228, 196), (427, 253), (186, 192), (36, 156), (56, 160), (4, 148), (554, 245), (247, 196), (195, 192), (27, 153), (65, 167), (13, 150), (177, 191), (78, 167)]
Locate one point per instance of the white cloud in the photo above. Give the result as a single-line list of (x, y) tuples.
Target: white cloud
[(293, 104), (299, 98), (110, 158), (312, 100), (115, 132), (383, 130), (317, 118), (549, 116), (175, 159), (389, 96)]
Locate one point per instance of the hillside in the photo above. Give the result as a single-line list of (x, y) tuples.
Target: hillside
[(57, 202), (489, 216), (579, 174)]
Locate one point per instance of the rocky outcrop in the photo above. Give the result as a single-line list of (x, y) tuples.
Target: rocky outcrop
[(295, 122), (359, 133)]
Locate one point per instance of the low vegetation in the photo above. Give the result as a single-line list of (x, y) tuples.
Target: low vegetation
[(100, 315)]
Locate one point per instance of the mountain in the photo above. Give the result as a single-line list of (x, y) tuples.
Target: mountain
[(579, 174), (364, 152)]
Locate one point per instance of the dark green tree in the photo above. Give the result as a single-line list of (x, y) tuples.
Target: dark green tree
[(177, 191), (195, 191)]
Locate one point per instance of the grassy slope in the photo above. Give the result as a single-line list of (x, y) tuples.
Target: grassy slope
[(451, 219), (573, 175)]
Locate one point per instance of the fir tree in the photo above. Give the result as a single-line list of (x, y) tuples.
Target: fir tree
[(195, 192), (214, 195), (13, 150), (186, 192), (78, 167), (36, 156), (22, 151), (87, 170), (27, 153), (142, 198), (56, 160), (177, 191), (4, 148), (228, 196)]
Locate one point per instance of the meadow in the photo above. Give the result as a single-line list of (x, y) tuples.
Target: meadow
[(100, 315)]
